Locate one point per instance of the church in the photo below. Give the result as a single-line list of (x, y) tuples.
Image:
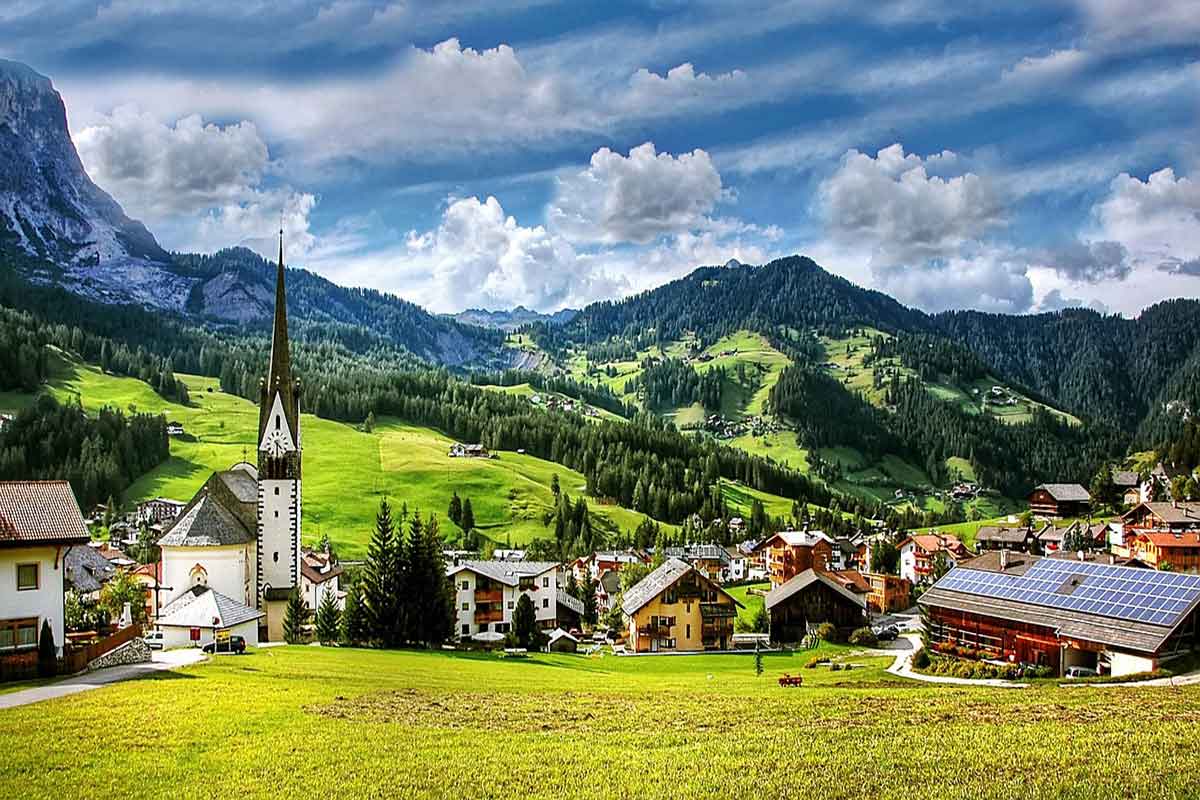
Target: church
[(231, 558)]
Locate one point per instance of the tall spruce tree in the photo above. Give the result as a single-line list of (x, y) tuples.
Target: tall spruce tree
[(525, 623), (294, 618), (455, 510), (47, 662), (329, 619), (467, 523), (382, 581), (356, 628)]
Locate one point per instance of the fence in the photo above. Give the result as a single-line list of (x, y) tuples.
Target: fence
[(75, 659)]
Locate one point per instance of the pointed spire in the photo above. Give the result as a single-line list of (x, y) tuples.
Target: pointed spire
[(279, 373)]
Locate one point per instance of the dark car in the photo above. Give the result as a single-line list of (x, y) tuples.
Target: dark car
[(235, 645), (887, 634)]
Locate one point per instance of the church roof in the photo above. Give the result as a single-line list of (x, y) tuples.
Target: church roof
[(279, 373), (206, 523), (203, 607), (242, 484)]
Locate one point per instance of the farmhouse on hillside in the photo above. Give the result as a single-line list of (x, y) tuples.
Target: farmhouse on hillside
[(1062, 612), (788, 553), (809, 599), (240, 534), (39, 521), (1057, 500), (677, 609)]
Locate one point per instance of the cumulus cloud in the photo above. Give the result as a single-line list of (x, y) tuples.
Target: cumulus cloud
[(157, 169), (894, 205), (480, 256), (1157, 219), (252, 222), (636, 198), (992, 279), (682, 87), (1090, 262), (1055, 300)]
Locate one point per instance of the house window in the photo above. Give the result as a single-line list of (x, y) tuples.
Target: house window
[(465, 586), (483, 627), (276, 423), (276, 556), (18, 633), (545, 583), (276, 513), (525, 584), (466, 630), (510, 605), (466, 606), (688, 628), (276, 491), (27, 577), (545, 602)]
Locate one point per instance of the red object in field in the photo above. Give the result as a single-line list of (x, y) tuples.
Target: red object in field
[(195, 634), (791, 680)]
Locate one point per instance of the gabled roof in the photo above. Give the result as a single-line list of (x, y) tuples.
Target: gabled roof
[(659, 581), (796, 539), (1002, 535), (1125, 479), (699, 552), (86, 569), (506, 572), (39, 512), (241, 483), (559, 633), (1065, 492), (934, 542), (203, 607), (610, 581), (805, 579), (206, 523), (318, 567)]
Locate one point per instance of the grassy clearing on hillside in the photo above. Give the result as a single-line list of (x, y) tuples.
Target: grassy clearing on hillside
[(346, 471), (751, 603), (310, 722)]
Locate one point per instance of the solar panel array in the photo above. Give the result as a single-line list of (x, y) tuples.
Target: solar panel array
[(1126, 593)]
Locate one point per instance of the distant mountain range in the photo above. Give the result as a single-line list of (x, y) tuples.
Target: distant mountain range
[(511, 320)]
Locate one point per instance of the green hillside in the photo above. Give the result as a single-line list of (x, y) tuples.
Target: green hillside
[(346, 471)]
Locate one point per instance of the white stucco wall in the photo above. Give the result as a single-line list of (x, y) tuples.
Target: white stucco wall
[(280, 545), (908, 562), (45, 602), (314, 593), (1128, 664), (544, 612), (230, 570), (181, 636)]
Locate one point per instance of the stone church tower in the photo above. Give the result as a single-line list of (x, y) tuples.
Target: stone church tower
[(279, 451)]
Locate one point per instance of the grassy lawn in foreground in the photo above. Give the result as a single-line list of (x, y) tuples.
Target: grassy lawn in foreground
[(307, 722)]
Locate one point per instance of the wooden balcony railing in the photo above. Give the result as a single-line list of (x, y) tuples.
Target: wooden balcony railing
[(489, 595)]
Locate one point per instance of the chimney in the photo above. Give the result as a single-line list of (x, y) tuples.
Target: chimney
[(1081, 556), (1003, 559), (1112, 560)]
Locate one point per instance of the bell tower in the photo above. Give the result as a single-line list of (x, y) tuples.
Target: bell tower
[(279, 458)]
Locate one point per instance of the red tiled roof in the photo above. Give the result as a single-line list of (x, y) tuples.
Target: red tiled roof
[(1187, 539), (39, 512)]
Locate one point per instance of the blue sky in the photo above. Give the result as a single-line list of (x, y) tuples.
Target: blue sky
[(493, 154)]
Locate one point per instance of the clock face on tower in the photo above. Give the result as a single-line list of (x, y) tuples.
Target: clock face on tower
[(275, 443)]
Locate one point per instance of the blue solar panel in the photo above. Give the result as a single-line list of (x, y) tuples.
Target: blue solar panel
[(1127, 593)]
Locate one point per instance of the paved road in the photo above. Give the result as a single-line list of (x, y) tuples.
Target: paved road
[(93, 680)]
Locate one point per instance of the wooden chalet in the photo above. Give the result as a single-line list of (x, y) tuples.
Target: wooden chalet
[(677, 609), (1162, 516), (809, 599), (789, 553), (1056, 500)]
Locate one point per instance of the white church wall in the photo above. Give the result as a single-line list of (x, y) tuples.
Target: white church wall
[(227, 570)]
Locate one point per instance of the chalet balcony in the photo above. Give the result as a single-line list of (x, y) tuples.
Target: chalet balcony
[(655, 631), (488, 615), (489, 595)]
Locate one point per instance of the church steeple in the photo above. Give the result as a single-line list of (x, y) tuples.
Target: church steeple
[(279, 382)]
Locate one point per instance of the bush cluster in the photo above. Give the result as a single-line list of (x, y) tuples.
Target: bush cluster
[(826, 632), (864, 637)]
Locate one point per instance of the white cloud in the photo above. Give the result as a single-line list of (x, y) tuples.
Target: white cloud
[(479, 256), (1055, 66), (252, 222), (683, 88), (156, 170), (992, 279), (893, 205), (1157, 220), (1089, 261), (1134, 24), (636, 198)]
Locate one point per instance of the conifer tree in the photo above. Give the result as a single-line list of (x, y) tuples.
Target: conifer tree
[(355, 627), (294, 618), (47, 663), (381, 589), (329, 619), (468, 516), (525, 623), (456, 509)]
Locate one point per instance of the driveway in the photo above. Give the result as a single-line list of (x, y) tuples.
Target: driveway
[(161, 660)]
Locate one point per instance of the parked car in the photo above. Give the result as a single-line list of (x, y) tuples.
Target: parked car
[(154, 640), (236, 645), (1081, 672), (887, 633)]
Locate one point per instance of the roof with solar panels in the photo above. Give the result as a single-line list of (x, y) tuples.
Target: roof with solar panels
[(1106, 604)]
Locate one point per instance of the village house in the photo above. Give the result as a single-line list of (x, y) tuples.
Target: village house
[(1157, 485), (200, 614), (1177, 551), (919, 551), (459, 450), (1057, 500), (1129, 485), (87, 570), (888, 593), (1162, 516), (1063, 612), (320, 574), (159, 510), (738, 567), (811, 598), (608, 586), (788, 553), (561, 641), (39, 522), (591, 566), (711, 560), (995, 537), (486, 594), (677, 609)]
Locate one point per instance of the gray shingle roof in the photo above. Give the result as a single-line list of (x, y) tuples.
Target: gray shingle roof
[(203, 607), (1186, 513), (653, 584), (39, 512), (86, 569), (993, 533), (1125, 478), (805, 579), (506, 572), (1066, 492), (206, 523), (242, 484)]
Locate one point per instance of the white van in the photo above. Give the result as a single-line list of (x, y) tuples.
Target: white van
[(154, 640)]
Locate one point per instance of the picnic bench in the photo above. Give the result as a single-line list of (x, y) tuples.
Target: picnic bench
[(786, 680)]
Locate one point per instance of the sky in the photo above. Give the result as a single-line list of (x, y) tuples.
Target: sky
[(492, 154)]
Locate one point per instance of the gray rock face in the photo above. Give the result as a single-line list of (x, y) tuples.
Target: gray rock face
[(51, 210)]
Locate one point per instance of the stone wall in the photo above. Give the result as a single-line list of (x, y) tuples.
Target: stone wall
[(135, 651)]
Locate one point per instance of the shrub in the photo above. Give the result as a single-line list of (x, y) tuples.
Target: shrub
[(815, 661), (921, 660), (835, 667), (864, 637), (826, 632), (47, 663)]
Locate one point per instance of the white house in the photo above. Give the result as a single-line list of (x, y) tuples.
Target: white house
[(39, 522), (486, 594), (194, 618), (320, 574)]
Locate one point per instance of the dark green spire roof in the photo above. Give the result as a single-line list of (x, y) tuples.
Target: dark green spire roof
[(279, 374)]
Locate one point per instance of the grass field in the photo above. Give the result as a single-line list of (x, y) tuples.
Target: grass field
[(751, 603), (346, 471), (315, 722)]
